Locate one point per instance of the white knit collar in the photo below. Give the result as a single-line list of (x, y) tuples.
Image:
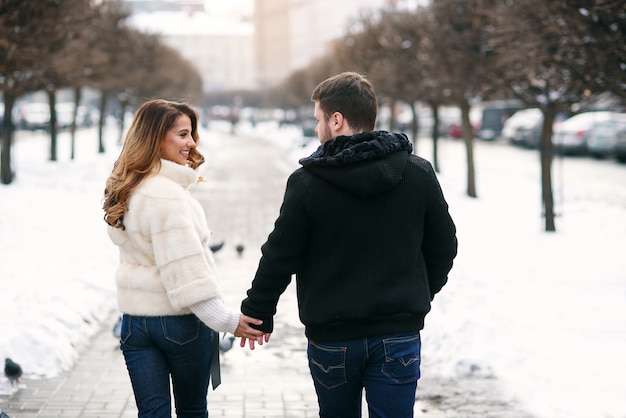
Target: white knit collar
[(181, 174)]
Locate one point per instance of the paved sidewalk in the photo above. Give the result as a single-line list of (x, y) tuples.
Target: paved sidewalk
[(97, 386), (254, 384)]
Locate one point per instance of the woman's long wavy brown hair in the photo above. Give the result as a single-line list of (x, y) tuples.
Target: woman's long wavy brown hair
[(141, 154)]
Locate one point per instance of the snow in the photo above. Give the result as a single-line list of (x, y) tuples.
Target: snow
[(545, 313)]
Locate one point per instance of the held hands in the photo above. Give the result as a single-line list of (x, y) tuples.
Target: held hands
[(246, 332), (264, 337)]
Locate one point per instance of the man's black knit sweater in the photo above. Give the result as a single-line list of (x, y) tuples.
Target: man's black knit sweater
[(366, 230)]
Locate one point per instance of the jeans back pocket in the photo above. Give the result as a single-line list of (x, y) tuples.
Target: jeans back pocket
[(327, 365), (180, 329), (402, 358)]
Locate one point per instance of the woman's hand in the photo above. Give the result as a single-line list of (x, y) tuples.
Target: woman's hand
[(265, 337), (246, 332)]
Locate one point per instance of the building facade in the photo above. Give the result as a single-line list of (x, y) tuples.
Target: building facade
[(249, 44), (220, 43), (290, 34)]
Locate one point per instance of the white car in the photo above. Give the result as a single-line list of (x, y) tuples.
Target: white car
[(34, 116), (603, 138), (521, 121), (572, 135)]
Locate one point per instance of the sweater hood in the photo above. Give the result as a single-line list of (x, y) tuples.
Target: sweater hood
[(363, 164)]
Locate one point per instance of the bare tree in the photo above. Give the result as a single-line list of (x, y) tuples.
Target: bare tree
[(393, 47), (157, 77), (28, 32), (596, 31), (555, 71), (461, 62), (408, 35), (108, 56), (549, 55), (58, 64)]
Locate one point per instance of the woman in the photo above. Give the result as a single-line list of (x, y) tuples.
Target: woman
[(167, 286)]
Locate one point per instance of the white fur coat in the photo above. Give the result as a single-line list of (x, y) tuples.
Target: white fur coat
[(165, 261)]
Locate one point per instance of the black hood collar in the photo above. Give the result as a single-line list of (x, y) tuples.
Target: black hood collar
[(359, 147), (363, 164)]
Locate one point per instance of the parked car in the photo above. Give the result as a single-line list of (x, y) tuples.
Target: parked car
[(619, 150), (525, 126), (530, 136), (33, 116), (36, 115), (521, 123), (455, 131), (572, 135), (603, 138), (65, 114), (494, 115)]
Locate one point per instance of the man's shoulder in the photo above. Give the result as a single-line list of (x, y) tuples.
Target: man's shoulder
[(300, 175), (420, 163)]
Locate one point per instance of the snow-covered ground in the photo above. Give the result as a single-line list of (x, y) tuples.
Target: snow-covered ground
[(545, 313)]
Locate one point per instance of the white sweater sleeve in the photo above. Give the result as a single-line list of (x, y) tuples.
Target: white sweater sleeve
[(215, 315)]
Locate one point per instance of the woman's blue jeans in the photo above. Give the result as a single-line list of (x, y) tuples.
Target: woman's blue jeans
[(163, 347), (387, 367)]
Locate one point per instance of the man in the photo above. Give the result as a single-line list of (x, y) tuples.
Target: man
[(366, 230)]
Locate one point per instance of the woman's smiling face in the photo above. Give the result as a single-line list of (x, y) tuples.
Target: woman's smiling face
[(178, 141)]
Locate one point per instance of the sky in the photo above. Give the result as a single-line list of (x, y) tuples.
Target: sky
[(545, 313)]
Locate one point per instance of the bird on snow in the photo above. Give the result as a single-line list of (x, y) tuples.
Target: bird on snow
[(216, 247), (12, 371), (239, 249), (226, 344)]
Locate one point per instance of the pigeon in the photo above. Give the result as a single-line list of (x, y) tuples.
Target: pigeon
[(226, 344), (239, 249), (216, 247), (12, 371)]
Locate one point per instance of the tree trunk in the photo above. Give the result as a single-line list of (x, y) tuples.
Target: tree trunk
[(546, 152), (77, 95), (122, 120), (392, 115), (6, 130), (415, 126), (468, 138), (101, 120), (435, 112), (52, 99)]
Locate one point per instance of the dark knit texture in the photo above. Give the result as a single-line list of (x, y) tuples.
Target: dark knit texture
[(365, 230)]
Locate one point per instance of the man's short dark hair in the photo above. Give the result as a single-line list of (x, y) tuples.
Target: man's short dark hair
[(350, 94)]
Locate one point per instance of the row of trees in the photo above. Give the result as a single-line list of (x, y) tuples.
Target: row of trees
[(548, 54), (71, 44)]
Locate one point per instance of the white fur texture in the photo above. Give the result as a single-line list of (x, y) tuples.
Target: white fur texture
[(165, 261)]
